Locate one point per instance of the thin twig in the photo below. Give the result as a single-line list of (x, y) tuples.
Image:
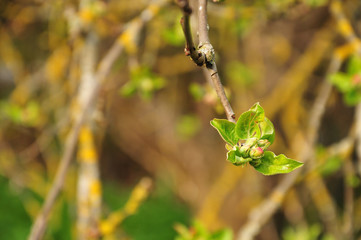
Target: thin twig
[(38, 228), (204, 54)]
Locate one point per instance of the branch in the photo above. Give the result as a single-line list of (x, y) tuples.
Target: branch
[(39, 226), (204, 54)]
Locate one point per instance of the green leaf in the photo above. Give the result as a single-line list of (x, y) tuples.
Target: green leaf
[(271, 164), (234, 156), (268, 131), (226, 129), (247, 124)]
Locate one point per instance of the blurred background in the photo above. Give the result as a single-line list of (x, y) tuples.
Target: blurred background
[(146, 143)]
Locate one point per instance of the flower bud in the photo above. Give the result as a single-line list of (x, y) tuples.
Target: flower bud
[(263, 143), (244, 149), (256, 152)]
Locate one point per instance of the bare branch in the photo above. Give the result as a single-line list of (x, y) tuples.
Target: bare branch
[(204, 54)]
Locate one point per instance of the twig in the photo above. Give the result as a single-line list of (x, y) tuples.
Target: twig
[(38, 229), (204, 54)]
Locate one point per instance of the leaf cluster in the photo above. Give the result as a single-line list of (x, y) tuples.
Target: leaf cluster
[(248, 139)]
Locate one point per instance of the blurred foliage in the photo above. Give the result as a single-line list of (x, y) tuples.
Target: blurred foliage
[(28, 115), (349, 83), (142, 81), (198, 232), (154, 219), (242, 75), (312, 232), (188, 126), (14, 220)]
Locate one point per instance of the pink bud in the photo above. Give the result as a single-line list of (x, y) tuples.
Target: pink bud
[(256, 152)]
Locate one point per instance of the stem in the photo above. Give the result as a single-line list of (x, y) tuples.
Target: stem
[(205, 52), (190, 49), (203, 22)]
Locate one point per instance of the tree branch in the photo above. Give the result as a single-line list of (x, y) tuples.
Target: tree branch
[(39, 226), (204, 54)]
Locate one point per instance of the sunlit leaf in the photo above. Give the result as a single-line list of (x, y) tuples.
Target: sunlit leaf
[(247, 124), (226, 129), (271, 164), (235, 157), (267, 129)]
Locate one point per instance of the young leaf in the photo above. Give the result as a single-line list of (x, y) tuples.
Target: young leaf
[(234, 156), (267, 129), (247, 124), (271, 164), (226, 129)]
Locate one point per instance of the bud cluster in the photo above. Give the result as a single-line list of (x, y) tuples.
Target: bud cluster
[(254, 148)]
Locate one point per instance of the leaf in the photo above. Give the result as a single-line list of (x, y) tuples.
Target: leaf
[(234, 156), (271, 164), (268, 131), (226, 129), (247, 124)]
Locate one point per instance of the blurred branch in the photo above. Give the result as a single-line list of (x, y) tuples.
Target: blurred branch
[(88, 184), (260, 215), (39, 226), (296, 76), (353, 46), (138, 195), (204, 54), (348, 224), (253, 226), (295, 79)]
